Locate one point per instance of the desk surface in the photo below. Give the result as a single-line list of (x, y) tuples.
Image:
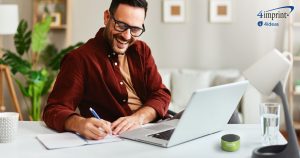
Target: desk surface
[(26, 145)]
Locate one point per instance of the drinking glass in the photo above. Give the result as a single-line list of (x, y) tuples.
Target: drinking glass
[(269, 116)]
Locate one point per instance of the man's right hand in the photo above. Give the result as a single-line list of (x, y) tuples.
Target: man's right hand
[(90, 128)]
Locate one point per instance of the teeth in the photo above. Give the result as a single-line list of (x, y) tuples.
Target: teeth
[(122, 42)]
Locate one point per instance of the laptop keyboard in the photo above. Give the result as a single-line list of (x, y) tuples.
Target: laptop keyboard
[(166, 135)]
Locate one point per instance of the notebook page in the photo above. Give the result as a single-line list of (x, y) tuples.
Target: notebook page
[(107, 139), (60, 140)]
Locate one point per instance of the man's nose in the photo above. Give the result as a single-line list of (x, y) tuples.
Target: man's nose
[(126, 34)]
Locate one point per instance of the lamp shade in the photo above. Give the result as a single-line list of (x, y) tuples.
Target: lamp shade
[(9, 19), (265, 74)]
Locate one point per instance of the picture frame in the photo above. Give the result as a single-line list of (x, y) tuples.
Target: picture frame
[(173, 11), (220, 11), (55, 19)]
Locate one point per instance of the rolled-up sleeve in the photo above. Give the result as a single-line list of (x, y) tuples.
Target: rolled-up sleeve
[(158, 96)]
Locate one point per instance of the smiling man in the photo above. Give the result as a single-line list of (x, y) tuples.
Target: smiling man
[(114, 73)]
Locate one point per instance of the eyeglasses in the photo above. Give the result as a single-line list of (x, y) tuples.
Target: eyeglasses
[(134, 30)]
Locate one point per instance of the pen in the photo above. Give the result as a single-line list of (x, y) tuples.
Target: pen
[(97, 116), (94, 113)]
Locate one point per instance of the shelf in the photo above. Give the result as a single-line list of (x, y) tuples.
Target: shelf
[(60, 11), (61, 27)]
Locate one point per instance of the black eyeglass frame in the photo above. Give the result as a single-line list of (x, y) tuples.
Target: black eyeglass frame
[(126, 26)]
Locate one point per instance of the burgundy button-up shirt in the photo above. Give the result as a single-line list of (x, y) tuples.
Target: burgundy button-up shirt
[(90, 77)]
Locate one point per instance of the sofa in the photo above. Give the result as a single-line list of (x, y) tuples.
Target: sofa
[(183, 82)]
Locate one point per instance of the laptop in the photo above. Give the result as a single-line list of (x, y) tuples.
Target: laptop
[(207, 112)]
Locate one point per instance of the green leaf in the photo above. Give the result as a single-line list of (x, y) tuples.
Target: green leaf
[(38, 78), (22, 38), (22, 88), (33, 77), (16, 63), (49, 52), (41, 81), (38, 87), (2, 62), (47, 85), (30, 90), (40, 34), (55, 61)]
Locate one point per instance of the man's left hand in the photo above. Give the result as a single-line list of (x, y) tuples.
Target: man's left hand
[(126, 123)]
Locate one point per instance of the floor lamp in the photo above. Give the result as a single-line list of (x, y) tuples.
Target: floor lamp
[(9, 20), (268, 75)]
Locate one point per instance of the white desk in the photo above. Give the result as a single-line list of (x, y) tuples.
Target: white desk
[(27, 146)]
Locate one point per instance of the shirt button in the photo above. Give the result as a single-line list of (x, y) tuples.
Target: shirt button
[(121, 83), (124, 100), (116, 63), (109, 56), (114, 53)]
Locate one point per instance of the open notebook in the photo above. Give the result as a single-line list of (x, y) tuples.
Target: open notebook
[(68, 139)]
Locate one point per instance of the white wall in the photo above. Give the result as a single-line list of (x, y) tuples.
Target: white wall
[(87, 18), (196, 43)]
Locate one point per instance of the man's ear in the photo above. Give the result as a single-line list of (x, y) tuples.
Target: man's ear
[(106, 17)]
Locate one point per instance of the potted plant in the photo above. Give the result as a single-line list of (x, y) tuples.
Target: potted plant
[(38, 76)]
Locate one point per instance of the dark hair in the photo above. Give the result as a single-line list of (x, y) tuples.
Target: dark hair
[(135, 3)]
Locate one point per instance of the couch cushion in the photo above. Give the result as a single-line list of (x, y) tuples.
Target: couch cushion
[(166, 76), (225, 76), (184, 83)]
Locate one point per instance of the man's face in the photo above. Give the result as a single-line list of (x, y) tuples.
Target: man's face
[(125, 14)]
